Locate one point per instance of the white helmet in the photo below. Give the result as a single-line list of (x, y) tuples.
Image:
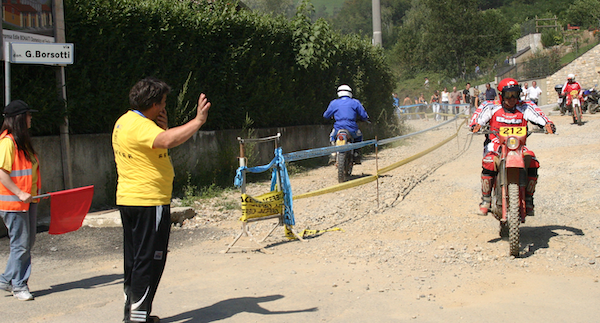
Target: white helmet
[(571, 77), (344, 90)]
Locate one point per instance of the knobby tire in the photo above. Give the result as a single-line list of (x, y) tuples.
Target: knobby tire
[(513, 219)]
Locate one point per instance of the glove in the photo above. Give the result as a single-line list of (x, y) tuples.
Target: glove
[(475, 128), (550, 128)]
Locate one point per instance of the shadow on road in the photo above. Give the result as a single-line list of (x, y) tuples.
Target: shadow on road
[(535, 238), (538, 237), (230, 307), (87, 283)]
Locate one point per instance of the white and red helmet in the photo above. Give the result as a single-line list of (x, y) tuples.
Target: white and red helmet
[(508, 85)]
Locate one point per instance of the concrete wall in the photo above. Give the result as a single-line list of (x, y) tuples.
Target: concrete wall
[(534, 41), (93, 160)]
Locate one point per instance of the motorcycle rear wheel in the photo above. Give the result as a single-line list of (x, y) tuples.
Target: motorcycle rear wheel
[(344, 165), (513, 219), (341, 165)]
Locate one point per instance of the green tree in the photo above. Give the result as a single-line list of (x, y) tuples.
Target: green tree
[(584, 13), (450, 36)]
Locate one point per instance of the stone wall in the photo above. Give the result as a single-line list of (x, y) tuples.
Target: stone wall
[(585, 68)]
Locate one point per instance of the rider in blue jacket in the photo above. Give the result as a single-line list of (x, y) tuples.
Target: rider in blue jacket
[(346, 111)]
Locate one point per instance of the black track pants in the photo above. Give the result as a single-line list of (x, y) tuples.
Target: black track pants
[(145, 240)]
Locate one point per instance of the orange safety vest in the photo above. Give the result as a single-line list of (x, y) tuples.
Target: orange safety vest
[(21, 176)]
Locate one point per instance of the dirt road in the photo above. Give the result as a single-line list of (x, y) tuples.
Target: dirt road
[(423, 255)]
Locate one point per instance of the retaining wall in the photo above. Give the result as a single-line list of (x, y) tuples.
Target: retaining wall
[(93, 160)]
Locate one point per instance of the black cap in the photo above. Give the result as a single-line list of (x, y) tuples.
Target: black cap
[(17, 107)]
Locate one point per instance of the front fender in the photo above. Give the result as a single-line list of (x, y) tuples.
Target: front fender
[(514, 160)]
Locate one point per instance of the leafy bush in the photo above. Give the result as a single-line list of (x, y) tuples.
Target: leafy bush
[(279, 72), (551, 37)]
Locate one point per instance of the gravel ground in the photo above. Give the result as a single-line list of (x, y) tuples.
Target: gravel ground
[(417, 250)]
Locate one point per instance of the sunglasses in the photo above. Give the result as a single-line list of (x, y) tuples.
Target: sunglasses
[(511, 95)]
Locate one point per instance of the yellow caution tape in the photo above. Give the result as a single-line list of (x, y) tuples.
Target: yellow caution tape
[(368, 179), (337, 187), (264, 205)]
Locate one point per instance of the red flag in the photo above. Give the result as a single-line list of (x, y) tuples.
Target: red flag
[(68, 209)]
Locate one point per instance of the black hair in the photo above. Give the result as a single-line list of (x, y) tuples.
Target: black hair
[(17, 126), (147, 92)]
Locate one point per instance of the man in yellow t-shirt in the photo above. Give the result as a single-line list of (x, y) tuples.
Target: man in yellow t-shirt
[(141, 140)]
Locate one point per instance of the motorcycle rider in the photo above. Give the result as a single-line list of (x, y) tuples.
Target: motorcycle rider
[(510, 112), (346, 111), (569, 86)]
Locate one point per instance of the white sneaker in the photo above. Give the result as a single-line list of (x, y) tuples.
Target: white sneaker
[(22, 295)]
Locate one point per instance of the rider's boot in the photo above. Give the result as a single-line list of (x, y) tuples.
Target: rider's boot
[(487, 182), (529, 190)]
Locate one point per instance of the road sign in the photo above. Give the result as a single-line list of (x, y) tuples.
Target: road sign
[(38, 53)]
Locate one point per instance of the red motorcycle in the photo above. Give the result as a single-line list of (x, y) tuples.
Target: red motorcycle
[(574, 105), (508, 193)]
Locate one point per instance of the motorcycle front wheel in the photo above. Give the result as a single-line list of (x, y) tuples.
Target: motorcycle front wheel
[(577, 115), (513, 219), (593, 108)]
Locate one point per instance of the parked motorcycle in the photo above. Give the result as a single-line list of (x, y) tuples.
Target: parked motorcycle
[(591, 98), (561, 99), (508, 193), (344, 160)]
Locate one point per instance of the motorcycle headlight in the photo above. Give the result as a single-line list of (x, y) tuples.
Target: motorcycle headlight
[(512, 143)]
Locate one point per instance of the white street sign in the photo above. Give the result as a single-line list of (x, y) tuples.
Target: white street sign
[(37, 53)]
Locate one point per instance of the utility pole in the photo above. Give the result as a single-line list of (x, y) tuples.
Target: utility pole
[(376, 22), (65, 147)]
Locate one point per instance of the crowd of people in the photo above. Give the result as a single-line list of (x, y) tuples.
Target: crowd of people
[(443, 102)]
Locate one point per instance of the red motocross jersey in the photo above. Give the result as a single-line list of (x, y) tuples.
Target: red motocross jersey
[(498, 117), (568, 87)]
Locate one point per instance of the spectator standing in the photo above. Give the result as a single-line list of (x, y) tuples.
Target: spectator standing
[(525, 92), (534, 92), (468, 98), (435, 105), (20, 180), (426, 83), (475, 97), (490, 93), (140, 141), (455, 98), (422, 106), (445, 102), (477, 69), (407, 101), (396, 102)]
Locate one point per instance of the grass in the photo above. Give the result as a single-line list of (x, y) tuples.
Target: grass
[(572, 55)]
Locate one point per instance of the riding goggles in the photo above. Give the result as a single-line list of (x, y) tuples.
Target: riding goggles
[(511, 94)]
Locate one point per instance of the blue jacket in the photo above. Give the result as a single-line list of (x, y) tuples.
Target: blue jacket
[(346, 111)]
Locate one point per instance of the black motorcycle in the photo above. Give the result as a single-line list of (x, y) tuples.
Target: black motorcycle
[(562, 100), (590, 100)]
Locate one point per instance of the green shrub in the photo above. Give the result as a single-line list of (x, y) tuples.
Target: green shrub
[(551, 37), (276, 71)]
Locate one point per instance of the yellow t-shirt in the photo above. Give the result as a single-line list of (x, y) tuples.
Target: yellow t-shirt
[(7, 158), (145, 174)]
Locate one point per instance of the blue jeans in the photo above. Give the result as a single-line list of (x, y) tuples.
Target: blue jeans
[(21, 230)]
